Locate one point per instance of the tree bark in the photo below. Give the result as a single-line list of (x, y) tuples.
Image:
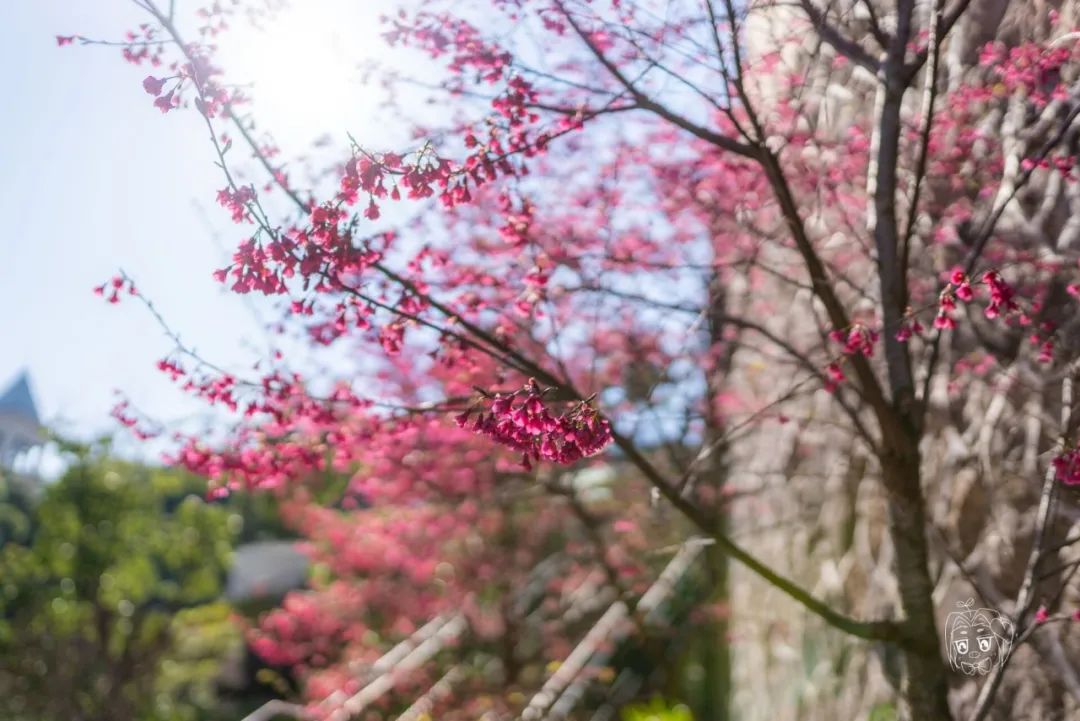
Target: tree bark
[(925, 686), (716, 658)]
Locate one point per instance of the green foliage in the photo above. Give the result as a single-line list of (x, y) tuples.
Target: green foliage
[(883, 712), (255, 517), (110, 610), (202, 637), (15, 510), (657, 710)]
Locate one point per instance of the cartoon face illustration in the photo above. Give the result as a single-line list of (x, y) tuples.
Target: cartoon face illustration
[(977, 638)]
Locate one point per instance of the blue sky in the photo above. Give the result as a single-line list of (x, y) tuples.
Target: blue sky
[(94, 178)]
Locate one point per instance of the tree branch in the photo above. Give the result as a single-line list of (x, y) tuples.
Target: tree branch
[(832, 37), (1025, 598)]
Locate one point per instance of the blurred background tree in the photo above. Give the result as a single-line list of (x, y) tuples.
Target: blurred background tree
[(111, 605), (16, 510)]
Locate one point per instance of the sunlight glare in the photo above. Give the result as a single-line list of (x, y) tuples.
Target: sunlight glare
[(302, 68)]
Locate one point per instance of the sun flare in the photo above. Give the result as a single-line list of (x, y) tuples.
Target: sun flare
[(303, 68)]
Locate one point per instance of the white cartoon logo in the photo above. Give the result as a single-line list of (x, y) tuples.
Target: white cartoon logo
[(977, 638)]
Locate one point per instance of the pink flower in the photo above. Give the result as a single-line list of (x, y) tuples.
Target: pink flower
[(236, 202), (1067, 467), (834, 377), (153, 85), (944, 322), (907, 330), (531, 428), (165, 103), (1001, 295), (858, 340)]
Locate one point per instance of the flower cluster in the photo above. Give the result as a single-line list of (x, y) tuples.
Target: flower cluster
[(298, 630), (908, 328), (523, 422), (443, 35), (112, 289), (139, 427), (156, 87), (518, 220), (1067, 467), (1031, 68), (959, 287), (1046, 349), (236, 201), (858, 340), (1001, 295), (834, 377)]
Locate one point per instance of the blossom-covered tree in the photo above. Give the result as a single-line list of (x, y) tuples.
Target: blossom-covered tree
[(683, 235)]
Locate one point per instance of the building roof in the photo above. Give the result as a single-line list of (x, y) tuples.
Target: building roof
[(18, 401), (265, 569)]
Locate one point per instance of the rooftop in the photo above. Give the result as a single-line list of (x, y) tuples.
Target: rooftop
[(18, 401)]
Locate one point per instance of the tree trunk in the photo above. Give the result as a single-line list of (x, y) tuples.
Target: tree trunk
[(716, 654), (715, 699), (925, 684)]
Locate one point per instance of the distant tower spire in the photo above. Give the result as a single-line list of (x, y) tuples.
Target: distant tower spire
[(20, 425)]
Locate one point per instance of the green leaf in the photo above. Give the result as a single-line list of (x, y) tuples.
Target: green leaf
[(883, 712)]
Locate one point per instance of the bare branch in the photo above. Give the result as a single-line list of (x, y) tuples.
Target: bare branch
[(836, 40), (1025, 598)]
